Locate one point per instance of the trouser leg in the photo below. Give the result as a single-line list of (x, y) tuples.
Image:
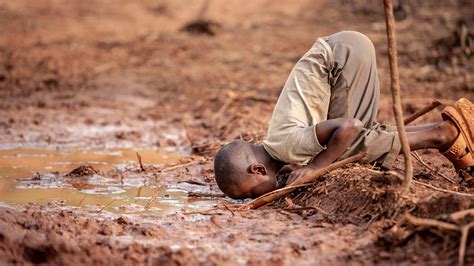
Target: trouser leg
[(355, 93)]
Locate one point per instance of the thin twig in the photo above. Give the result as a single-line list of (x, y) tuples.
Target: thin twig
[(294, 209), (205, 195), (202, 11), (456, 216), (188, 136), (395, 86), (139, 157), (225, 106), (421, 112), (120, 176), (290, 203), (193, 182), (419, 159), (229, 209), (153, 197), (447, 226), (256, 97), (203, 211), (107, 205), (430, 222), (462, 244), (284, 189), (174, 167), (80, 202), (139, 192), (442, 189)]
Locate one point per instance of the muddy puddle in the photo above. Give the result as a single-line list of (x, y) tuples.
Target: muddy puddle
[(39, 176)]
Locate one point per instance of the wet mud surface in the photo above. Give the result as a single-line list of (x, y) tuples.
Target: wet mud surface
[(180, 79)]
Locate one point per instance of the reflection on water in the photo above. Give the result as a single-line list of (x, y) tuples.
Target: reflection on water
[(19, 184), (23, 163)]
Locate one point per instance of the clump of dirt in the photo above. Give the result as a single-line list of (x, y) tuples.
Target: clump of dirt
[(202, 26), (83, 170)]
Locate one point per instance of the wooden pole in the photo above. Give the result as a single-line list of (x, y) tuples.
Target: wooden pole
[(395, 86), (421, 112)]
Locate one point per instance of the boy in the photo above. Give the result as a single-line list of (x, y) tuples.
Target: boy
[(325, 112)]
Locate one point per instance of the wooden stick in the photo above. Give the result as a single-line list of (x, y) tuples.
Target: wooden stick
[(188, 136), (310, 177), (203, 211), (139, 157), (174, 167), (419, 159), (139, 192), (442, 189), (421, 112), (205, 195), (462, 244), (284, 189), (430, 222), (461, 214), (202, 11), (395, 86), (107, 205), (256, 97), (80, 202), (153, 197), (229, 209), (121, 176)]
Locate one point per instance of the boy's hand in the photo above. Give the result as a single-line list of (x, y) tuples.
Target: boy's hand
[(297, 174), (283, 174)]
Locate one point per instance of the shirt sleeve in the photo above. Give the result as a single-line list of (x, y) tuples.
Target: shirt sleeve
[(299, 146)]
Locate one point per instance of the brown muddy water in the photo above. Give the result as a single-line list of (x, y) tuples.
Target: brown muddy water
[(38, 176)]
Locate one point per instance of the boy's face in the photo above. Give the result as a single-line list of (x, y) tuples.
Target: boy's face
[(257, 182)]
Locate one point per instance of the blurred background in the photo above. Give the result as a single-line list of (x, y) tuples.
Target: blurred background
[(143, 72), (95, 81)]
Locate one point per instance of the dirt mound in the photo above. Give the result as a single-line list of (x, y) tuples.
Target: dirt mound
[(369, 198), (356, 195)]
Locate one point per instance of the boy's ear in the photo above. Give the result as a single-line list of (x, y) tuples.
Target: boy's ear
[(258, 168)]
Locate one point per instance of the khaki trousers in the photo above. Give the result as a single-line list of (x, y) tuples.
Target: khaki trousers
[(355, 93)]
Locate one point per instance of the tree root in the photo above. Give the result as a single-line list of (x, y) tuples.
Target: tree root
[(441, 225)]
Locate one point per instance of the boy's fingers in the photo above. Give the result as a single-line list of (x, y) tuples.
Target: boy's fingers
[(296, 174), (293, 177)]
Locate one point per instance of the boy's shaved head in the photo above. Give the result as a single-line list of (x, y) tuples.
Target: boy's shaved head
[(245, 170), (231, 165)]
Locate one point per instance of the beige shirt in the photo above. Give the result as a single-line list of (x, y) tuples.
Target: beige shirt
[(303, 103)]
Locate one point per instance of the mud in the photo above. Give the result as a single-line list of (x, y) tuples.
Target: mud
[(184, 78)]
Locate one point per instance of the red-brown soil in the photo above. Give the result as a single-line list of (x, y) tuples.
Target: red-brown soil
[(137, 74)]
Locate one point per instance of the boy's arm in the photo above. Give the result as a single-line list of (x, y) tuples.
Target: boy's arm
[(338, 135)]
